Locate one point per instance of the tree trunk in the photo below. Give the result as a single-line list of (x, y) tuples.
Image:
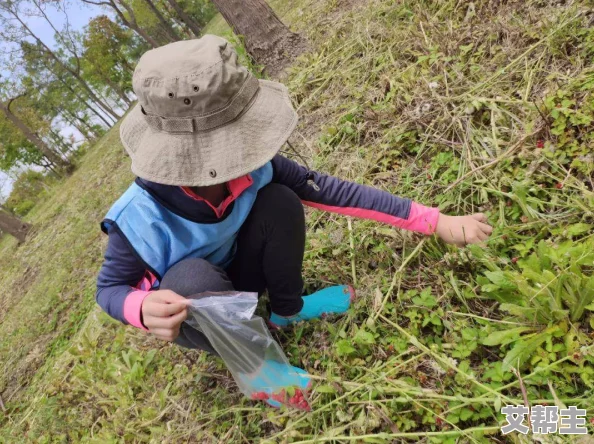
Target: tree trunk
[(187, 32), (13, 225), (60, 141), (49, 167), (267, 39), (173, 36), (188, 21), (119, 91), (125, 65), (85, 129), (132, 23), (82, 99), (34, 138), (87, 104)]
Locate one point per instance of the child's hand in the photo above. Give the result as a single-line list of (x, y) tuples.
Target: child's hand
[(462, 230), (163, 312)]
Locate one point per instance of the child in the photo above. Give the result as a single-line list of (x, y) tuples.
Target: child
[(216, 208)]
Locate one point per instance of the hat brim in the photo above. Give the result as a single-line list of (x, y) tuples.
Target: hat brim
[(214, 156)]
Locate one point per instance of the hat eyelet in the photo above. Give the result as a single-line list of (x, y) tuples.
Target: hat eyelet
[(187, 101), (171, 95), (196, 88), (212, 173)]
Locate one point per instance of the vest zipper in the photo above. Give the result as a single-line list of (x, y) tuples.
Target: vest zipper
[(309, 177)]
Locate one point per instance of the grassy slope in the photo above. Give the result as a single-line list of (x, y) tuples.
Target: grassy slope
[(407, 96)]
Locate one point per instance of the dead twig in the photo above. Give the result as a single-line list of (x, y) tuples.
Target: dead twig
[(524, 393)]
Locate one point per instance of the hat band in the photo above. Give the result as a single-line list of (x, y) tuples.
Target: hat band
[(210, 121)]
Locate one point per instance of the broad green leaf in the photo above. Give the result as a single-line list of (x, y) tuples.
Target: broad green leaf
[(524, 349), (531, 263), (585, 296), (428, 301), (516, 310), (489, 288), (425, 299), (505, 336), (149, 357), (126, 357), (465, 414), (453, 418), (364, 337), (344, 347), (575, 229), (499, 279)]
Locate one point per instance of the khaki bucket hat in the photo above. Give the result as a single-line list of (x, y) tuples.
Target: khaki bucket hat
[(201, 118)]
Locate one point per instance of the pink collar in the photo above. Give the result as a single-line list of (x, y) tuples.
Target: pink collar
[(235, 187)]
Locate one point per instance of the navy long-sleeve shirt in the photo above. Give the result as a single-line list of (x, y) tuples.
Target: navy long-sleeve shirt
[(123, 272)]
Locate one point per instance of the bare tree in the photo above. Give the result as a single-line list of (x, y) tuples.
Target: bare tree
[(186, 19), (13, 225), (130, 23), (267, 39)]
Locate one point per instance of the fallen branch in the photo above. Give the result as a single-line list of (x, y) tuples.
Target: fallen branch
[(2, 406)]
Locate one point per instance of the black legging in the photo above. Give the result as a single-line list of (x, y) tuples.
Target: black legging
[(269, 256)]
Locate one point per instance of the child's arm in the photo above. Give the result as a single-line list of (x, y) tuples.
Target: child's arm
[(124, 292), (119, 285), (335, 195)]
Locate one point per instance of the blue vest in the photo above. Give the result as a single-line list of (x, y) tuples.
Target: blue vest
[(162, 238)]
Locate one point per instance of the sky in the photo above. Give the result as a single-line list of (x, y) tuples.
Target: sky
[(79, 14)]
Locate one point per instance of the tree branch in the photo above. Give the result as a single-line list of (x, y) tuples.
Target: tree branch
[(59, 36), (15, 98), (97, 3)]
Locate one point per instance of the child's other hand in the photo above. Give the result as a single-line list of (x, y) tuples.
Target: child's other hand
[(463, 230), (163, 312)]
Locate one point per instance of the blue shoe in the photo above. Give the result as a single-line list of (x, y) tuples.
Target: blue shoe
[(329, 301), (274, 380)]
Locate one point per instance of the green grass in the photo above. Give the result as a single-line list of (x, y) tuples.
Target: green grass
[(438, 101)]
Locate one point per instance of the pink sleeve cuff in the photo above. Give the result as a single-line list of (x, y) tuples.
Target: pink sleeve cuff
[(422, 219), (133, 308)]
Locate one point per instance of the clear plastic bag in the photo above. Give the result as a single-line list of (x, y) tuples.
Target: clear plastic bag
[(256, 361)]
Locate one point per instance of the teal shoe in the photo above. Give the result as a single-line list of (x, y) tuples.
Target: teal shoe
[(329, 301), (277, 383)]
